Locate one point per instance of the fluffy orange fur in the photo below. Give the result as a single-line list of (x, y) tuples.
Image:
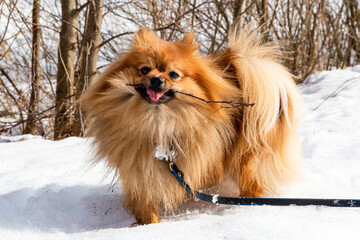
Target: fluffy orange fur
[(256, 146)]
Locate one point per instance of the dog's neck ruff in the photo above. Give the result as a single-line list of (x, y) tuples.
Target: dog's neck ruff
[(161, 153)]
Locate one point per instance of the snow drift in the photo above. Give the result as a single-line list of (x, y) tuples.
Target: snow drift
[(48, 190)]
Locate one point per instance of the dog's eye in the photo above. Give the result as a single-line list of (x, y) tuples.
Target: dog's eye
[(145, 70), (173, 75)]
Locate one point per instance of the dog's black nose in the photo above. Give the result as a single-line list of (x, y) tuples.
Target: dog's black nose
[(156, 84)]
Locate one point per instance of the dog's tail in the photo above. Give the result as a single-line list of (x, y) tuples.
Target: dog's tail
[(267, 146)]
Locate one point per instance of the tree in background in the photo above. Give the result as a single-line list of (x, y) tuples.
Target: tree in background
[(89, 49), (66, 69), (30, 126), (353, 23), (75, 45)]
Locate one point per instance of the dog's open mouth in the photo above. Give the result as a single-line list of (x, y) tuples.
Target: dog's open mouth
[(155, 97)]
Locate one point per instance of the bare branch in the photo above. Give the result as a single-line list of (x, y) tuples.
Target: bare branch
[(231, 103)]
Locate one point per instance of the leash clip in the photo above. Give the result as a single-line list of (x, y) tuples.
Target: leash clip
[(161, 153)]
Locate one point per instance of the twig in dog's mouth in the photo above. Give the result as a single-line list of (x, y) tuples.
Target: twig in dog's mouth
[(135, 85), (231, 103)]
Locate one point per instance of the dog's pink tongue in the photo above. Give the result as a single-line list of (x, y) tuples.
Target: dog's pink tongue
[(154, 96)]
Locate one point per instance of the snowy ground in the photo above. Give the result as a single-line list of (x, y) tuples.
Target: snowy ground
[(49, 191)]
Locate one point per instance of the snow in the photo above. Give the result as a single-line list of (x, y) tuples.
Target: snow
[(49, 190)]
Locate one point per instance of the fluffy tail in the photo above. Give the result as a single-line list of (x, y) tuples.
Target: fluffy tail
[(267, 147)]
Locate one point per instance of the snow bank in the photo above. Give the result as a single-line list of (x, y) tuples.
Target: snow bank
[(48, 190)]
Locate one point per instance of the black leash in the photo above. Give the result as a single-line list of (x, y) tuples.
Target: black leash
[(214, 198)]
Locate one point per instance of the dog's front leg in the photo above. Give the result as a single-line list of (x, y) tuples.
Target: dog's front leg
[(144, 211)]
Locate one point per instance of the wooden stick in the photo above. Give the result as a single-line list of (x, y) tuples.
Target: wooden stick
[(232, 103)]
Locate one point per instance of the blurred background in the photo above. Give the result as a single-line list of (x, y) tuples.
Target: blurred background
[(50, 51)]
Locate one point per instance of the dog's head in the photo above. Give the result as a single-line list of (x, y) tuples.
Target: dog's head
[(152, 72), (160, 66)]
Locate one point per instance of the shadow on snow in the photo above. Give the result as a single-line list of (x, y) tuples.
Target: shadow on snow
[(68, 209), (80, 209)]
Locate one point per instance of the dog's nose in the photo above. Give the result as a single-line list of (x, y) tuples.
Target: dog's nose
[(156, 83)]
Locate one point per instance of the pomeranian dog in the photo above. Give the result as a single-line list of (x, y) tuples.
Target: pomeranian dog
[(136, 105)]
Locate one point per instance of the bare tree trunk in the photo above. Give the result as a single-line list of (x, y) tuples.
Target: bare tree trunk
[(264, 18), (30, 126), (66, 69), (88, 58), (353, 24), (239, 12)]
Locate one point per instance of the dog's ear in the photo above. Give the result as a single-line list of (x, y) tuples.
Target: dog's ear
[(144, 36), (189, 39)]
